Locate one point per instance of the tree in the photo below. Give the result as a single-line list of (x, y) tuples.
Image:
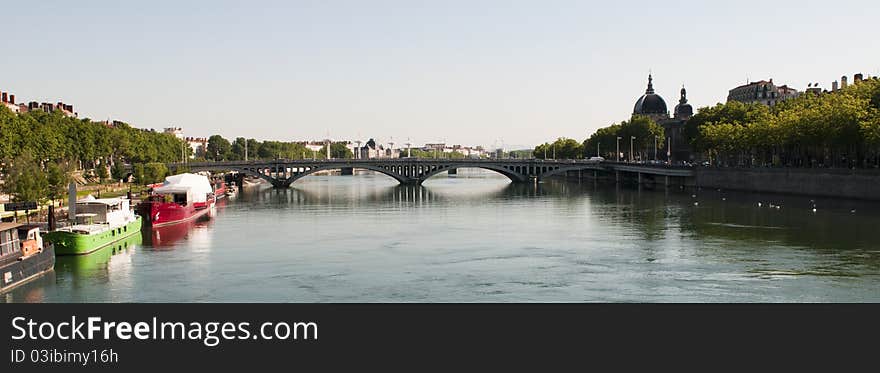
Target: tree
[(25, 181), (138, 173), (101, 172), (605, 140), (218, 148), (58, 178), (645, 133), (118, 171), (155, 172), (253, 148), (562, 148), (238, 148), (338, 150)]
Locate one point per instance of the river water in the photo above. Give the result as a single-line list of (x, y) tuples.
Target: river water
[(475, 237)]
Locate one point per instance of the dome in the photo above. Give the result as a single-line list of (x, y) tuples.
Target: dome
[(683, 110), (650, 102)]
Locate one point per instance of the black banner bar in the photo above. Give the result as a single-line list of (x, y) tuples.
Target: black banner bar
[(415, 337), (20, 206)]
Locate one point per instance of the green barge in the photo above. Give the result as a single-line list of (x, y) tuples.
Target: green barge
[(99, 223)]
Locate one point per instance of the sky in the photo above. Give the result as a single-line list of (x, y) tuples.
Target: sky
[(491, 73)]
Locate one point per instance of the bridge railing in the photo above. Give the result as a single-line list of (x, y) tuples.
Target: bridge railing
[(659, 165)]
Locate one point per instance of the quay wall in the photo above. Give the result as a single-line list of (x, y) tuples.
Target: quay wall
[(860, 184), (838, 183)]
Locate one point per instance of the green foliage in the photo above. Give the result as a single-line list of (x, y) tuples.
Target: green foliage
[(54, 137), (180, 170), (604, 140), (118, 171), (338, 150), (155, 172), (101, 172), (57, 177), (237, 149), (428, 154), (25, 181), (640, 131), (219, 149), (138, 173), (522, 154), (562, 148), (828, 130)]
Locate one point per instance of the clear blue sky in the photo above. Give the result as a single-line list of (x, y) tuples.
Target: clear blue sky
[(469, 72)]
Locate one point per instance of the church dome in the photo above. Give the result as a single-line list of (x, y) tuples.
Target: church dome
[(683, 110), (650, 102)]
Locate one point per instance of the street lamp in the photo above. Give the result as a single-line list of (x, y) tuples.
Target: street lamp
[(631, 138), (597, 149), (617, 155)]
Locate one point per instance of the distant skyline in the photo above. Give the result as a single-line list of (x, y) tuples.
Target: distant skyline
[(464, 72)]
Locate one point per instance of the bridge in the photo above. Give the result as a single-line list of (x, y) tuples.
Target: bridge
[(283, 172)]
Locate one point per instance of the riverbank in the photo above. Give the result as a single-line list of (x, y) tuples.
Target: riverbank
[(815, 182), (818, 182), (110, 190)]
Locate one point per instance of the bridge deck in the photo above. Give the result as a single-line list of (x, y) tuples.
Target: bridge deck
[(282, 172)]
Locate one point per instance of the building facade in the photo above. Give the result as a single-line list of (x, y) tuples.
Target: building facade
[(8, 100), (199, 146), (762, 92)]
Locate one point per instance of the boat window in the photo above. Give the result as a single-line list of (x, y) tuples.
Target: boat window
[(9, 243), (180, 199)]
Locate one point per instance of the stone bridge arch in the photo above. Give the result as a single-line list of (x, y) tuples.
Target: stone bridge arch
[(511, 172), (388, 171)]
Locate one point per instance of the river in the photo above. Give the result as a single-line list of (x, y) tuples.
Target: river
[(475, 237)]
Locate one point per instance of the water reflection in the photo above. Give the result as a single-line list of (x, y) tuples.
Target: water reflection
[(170, 236), (477, 237), (99, 264)]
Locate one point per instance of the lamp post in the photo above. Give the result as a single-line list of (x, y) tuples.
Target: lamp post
[(617, 155), (669, 151), (597, 149), (655, 148), (631, 138)]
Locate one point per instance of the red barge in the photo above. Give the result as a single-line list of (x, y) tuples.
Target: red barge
[(179, 199)]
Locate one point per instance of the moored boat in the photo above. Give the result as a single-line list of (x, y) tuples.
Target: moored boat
[(231, 190), (220, 189), (99, 222), (24, 255), (181, 198)]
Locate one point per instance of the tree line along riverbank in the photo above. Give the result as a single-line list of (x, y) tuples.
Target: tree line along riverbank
[(838, 129)]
